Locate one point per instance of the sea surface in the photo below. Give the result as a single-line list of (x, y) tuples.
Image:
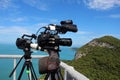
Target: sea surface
[(6, 65)]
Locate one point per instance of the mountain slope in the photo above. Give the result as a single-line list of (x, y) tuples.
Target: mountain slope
[(99, 59)]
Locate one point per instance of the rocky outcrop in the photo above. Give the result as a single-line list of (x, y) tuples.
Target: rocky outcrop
[(79, 55), (100, 44), (93, 43)]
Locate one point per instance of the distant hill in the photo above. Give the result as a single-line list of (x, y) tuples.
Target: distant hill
[(99, 59)]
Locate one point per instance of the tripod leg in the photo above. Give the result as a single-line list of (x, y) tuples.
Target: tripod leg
[(22, 71), (53, 76), (28, 72), (29, 77), (16, 66), (57, 73), (33, 71), (47, 76), (32, 75), (60, 73)]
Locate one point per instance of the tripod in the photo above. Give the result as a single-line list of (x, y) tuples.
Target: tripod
[(54, 75), (28, 64)]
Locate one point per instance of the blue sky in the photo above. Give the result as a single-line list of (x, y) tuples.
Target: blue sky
[(94, 18)]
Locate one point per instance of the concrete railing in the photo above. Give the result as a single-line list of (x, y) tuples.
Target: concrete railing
[(69, 72)]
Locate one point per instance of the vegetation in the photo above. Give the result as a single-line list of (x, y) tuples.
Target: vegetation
[(100, 63)]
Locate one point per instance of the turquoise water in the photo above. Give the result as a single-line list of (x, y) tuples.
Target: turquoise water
[(6, 65)]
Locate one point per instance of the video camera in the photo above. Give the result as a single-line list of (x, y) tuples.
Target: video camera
[(46, 40), (49, 38)]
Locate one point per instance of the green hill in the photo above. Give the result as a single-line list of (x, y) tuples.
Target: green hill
[(99, 59)]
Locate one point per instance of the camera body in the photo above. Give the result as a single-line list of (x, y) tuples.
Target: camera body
[(49, 41)]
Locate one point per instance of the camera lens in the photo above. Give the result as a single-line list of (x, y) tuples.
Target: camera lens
[(65, 41)]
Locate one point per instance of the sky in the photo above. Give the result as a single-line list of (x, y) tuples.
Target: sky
[(94, 18)]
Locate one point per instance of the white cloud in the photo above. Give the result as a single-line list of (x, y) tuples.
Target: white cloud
[(53, 20), (84, 32), (19, 19), (37, 4), (102, 4), (72, 1), (5, 4), (13, 30), (41, 24), (10, 34), (115, 16)]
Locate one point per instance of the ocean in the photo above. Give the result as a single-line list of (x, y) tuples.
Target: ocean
[(6, 65)]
